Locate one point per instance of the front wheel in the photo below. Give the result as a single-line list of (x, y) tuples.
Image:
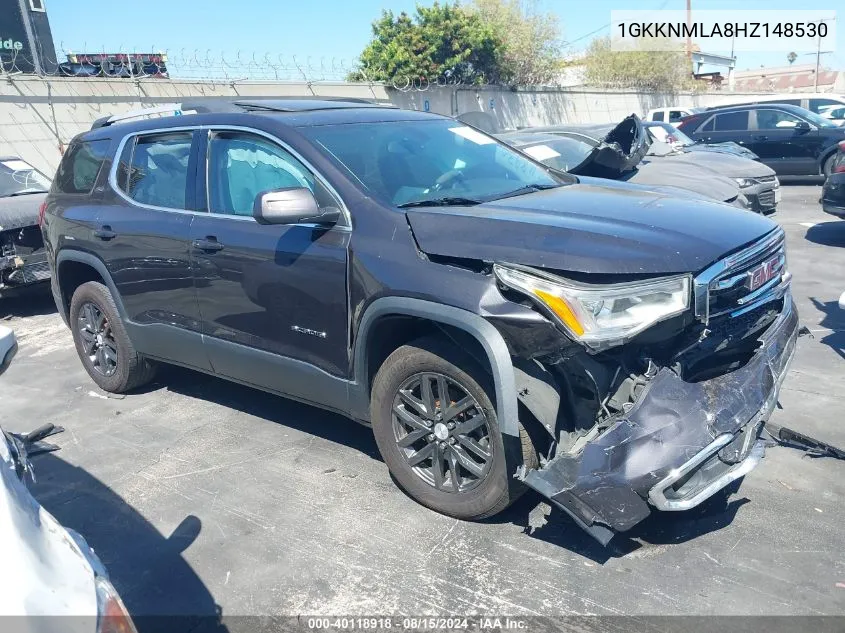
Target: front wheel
[(437, 430), (827, 169)]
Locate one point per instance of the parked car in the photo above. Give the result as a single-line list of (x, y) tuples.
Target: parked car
[(813, 101), (49, 570), (834, 113), (23, 261), (791, 140), (672, 114), (499, 324), (620, 153), (833, 192), (670, 134), (758, 183)]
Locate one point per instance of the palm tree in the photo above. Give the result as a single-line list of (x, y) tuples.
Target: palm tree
[(792, 57)]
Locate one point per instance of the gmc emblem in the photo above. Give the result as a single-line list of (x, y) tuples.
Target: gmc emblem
[(761, 275)]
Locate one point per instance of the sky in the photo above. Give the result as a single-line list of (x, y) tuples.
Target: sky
[(328, 31)]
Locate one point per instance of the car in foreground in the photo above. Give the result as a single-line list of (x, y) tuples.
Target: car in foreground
[(498, 324), (671, 135), (833, 192), (52, 581), (791, 140), (23, 261), (620, 152)]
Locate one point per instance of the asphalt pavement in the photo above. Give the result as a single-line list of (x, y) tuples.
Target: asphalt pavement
[(205, 497)]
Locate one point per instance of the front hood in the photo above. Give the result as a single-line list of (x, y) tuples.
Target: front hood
[(589, 228), (19, 211), (618, 152), (729, 165), (697, 178)]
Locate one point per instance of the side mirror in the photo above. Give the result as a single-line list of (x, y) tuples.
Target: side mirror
[(292, 205), (8, 347), (803, 126)]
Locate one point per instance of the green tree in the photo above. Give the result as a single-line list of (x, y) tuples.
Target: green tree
[(654, 71), (440, 42), (531, 52), (791, 57)]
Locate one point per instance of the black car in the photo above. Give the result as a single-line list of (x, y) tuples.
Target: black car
[(833, 192), (497, 323), (23, 260), (791, 140)]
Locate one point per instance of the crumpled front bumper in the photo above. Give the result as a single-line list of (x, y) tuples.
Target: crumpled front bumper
[(678, 445)]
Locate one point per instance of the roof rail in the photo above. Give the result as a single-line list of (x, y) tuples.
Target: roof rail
[(169, 109)]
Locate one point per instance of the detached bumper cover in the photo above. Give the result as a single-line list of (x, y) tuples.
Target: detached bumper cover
[(678, 445)]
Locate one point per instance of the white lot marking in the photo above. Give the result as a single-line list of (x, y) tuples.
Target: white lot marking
[(94, 394), (809, 225)]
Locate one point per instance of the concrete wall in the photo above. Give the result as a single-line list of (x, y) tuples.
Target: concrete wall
[(38, 117)]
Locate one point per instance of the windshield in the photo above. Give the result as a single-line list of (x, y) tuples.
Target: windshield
[(667, 133), (18, 177), (562, 153), (408, 162)]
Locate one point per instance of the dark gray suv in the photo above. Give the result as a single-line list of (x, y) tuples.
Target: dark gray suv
[(499, 324)]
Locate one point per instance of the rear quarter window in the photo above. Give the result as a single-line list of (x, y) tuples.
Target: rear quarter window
[(80, 166)]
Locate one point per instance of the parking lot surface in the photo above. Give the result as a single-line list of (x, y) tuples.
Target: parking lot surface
[(203, 496)]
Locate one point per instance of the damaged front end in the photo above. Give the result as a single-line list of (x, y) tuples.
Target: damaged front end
[(672, 416)]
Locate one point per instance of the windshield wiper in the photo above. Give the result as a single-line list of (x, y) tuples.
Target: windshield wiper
[(526, 189), (440, 202)]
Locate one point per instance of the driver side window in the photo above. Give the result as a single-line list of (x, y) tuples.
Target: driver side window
[(242, 166), (775, 119)]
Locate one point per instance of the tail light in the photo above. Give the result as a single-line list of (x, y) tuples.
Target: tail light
[(839, 169), (842, 146), (41, 211)]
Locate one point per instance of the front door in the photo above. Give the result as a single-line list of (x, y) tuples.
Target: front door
[(267, 291), (783, 147)]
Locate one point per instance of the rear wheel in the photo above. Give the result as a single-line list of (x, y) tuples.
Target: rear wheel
[(437, 430), (102, 343)]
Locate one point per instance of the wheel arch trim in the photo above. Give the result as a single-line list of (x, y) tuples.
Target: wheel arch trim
[(82, 257), (473, 324)]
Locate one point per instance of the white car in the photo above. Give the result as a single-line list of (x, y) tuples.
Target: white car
[(835, 113), (672, 114), (48, 570)]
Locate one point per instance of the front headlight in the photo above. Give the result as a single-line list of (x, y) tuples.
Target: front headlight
[(112, 616), (601, 316), (745, 182)]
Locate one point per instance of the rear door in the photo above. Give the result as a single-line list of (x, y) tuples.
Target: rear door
[(267, 293), (787, 150), (727, 126), (142, 233)]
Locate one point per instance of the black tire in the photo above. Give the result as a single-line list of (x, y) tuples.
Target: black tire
[(493, 492), (131, 370), (827, 167)]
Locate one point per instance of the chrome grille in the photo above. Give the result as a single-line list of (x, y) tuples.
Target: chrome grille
[(740, 282), (766, 198)]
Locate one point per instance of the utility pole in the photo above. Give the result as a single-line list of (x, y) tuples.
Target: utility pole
[(819, 53), (689, 25)]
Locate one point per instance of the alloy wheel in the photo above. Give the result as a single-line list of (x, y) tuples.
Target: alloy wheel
[(97, 339), (442, 431)]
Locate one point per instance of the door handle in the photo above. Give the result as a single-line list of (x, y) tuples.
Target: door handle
[(209, 244), (105, 233), (762, 138)]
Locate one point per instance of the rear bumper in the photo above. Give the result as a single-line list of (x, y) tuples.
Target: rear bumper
[(680, 443), (833, 195)]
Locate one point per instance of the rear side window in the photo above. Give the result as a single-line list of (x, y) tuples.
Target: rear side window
[(731, 121), (675, 115), (80, 166), (153, 169), (657, 116)]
